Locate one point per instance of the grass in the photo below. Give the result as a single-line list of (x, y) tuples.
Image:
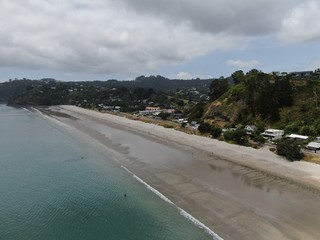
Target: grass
[(312, 158)]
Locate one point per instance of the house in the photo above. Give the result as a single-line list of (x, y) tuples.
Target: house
[(313, 146), (296, 136), (273, 134), (302, 73), (193, 123), (250, 129), (170, 110), (152, 108), (149, 112)]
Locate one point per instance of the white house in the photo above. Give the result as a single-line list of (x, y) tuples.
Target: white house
[(313, 146), (273, 134), (250, 129), (296, 136)]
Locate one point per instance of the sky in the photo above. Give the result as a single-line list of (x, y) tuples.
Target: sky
[(121, 39)]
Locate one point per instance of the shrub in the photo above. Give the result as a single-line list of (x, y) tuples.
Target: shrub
[(258, 138), (204, 128), (290, 149), (238, 136), (164, 115), (215, 132), (167, 125)]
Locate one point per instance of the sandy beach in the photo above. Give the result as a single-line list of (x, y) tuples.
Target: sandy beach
[(238, 192)]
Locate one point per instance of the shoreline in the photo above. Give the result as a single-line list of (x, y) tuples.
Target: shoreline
[(183, 213), (300, 172), (186, 181)]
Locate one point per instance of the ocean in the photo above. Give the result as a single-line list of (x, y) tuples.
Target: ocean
[(55, 187)]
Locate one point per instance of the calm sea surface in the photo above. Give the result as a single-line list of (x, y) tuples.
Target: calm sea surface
[(54, 187)]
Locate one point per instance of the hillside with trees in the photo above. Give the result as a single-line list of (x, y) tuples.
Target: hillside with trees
[(287, 102), (130, 96)]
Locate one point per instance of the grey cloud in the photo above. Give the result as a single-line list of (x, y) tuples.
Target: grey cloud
[(302, 23), (245, 17), (96, 36), (129, 36)]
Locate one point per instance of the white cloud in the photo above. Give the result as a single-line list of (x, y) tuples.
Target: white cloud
[(243, 64), (302, 23), (187, 75)]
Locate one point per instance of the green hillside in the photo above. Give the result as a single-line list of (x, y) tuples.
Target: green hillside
[(287, 102)]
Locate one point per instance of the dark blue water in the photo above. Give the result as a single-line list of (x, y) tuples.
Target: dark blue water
[(55, 187)]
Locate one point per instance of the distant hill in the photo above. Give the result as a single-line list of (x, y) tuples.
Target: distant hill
[(151, 89)]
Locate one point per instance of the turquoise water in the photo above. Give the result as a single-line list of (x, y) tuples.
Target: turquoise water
[(54, 187)]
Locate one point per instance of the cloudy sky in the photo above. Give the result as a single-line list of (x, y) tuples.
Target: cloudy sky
[(122, 39)]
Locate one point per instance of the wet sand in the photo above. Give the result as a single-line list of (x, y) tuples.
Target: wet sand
[(238, 192)]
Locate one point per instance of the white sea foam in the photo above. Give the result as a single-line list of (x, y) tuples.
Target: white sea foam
[(199, 224), (182, 212), (52, 119), (26, 109)]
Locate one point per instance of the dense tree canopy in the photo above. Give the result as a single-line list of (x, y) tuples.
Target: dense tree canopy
[(290, 149), (218, 87)]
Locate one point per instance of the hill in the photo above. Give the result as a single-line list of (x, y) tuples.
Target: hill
[(287, 102)]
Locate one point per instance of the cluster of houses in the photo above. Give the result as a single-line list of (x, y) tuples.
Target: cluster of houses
[(274, 134), (296, 73), (270, 134), (155, 111)]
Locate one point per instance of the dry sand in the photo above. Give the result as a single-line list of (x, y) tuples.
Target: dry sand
[(239, 192)]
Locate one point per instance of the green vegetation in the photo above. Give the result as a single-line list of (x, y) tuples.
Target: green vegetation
[(290, 149), (215, 132), (218, 87), (238, 136), (287, 102), (204, 128), (130, 96)]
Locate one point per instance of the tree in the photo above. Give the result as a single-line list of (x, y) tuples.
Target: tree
[(237, 76), (261, 98), (215, 132), (196, 112), (290, 149), (217, 88), (238, 136), (164, 115), (258, 138), (284, 91), (204, 128)]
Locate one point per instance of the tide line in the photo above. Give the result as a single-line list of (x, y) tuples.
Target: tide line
[(182, 212)]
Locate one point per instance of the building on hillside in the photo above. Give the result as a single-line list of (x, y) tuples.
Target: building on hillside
[(250, 129), (273, 134), (302, 73), (149, 112), (313, 146), (152, 108), (170, 110), (297, 137), (279, 74)]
